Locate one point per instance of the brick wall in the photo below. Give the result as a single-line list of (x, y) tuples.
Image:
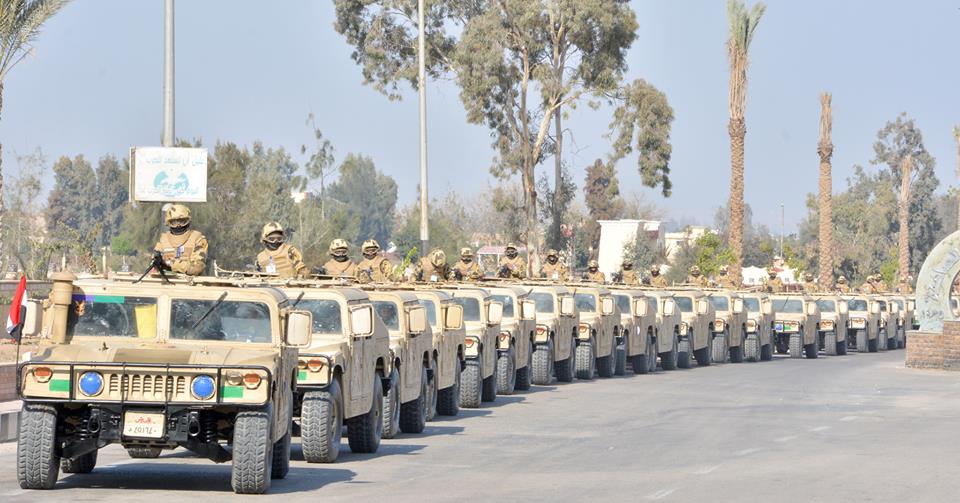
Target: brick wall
[(8, 382), (935, 350), (951, 345)]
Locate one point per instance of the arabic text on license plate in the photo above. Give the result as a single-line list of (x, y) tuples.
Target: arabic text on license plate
[(143, 424)]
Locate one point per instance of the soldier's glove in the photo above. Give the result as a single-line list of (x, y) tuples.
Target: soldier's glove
[(457, 275), (504, 271), (159, 263), (320, 271)]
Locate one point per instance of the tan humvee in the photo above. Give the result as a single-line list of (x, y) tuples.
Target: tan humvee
[(596, 333), (636, 337), (199, 363), (864, 329), (888, 321), (697, 316), (912, 308), (729, 327), (408, 398), (759, 343), (796, 325), (557, 322), (516, 341), (446, 324), (481, 317), (668, 328), (834, 322), (342, 372), (905, 318)]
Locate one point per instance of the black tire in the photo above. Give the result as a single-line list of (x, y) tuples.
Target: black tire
[(811, 350), (830, 343), (84, 463), (841, 348), (38, 459), (281, 457), (620, 365), (321, 424), (489, 390), (668, 360), (506, 372), (543, 363), (641, 363), (586, 360), (736, 352), (364, 431), (766, 353), (882, 340), (144, 452), (564, 369), (718, 348), (891, 344), (751, 348), (796, 345), (782, 343), (606, 364), (252, 452), (432, 391), (413, 414), (471, 384), (524, 375), (448, 399), (391, 407), (863, 344), (683, 354), (872, 345)]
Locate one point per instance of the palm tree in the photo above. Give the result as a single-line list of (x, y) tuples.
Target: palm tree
[(956, 135), (903, 241), (742, 25), (20, 22), (825, 149)]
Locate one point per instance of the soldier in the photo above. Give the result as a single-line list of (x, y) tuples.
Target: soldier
[(725, 280), (374, 267), (878, 283), (695, 278), (512, 265), (628, 276), (904, 286), (656, 280), (183, 250), (842, 285), (593, 273), (773, 284), (278, 256), (433, 267), (553, 269), (808, 284), (869, 285), (467, 269), (339, 263)]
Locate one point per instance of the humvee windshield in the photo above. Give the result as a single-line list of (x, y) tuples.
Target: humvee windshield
[(586, 303), (326, 315), (787, 305), (751, 304), (720, 303), (883, 306), (685, 304), (112, 316), (388, 313), (431, 308), (507, 302), (899, 303), (241, 321), (857, 305), (471, 308), (543, 300), (827, 306), (623, 302)]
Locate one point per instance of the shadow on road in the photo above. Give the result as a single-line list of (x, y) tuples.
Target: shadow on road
[(387, 448)]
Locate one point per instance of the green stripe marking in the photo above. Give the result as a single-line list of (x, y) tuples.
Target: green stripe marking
[(109, 299), (302, 375), (60, 385), (231, 392)]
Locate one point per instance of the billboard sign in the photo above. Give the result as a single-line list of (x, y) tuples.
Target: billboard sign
[(163, 174)]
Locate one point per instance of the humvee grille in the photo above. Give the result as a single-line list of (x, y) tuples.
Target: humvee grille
[(147, 387)]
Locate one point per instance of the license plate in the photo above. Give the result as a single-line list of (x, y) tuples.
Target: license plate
[(143, 424)]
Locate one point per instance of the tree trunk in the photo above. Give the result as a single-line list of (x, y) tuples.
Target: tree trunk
[(738, 132), (825, 150), (558, 177), (903, 245), (533, 248)]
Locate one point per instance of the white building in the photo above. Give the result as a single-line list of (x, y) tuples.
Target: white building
[(673, 242), (615, 235)]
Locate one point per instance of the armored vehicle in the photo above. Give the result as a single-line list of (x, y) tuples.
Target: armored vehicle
[(759, 343), (342, 373), (729, 328), (410, 394), (834, 322), (596, 333), (636, 339), (481, 317), (446, 323), (557, 322), (796, 325), (159, 365), (516, 340), (905, 319), (696, 329), (667, 333), (864, 330), (888, 322)]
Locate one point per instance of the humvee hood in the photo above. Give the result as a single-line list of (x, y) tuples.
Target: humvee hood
[(157, 354)]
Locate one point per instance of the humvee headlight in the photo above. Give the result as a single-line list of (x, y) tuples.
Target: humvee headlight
[(504, 336), (91, 383), (252, 379), (827, 324), (314, 364), (718, 326), (469, 342), (234, 378), (42, 374), (203, 387), (541, 330), (751, 325)]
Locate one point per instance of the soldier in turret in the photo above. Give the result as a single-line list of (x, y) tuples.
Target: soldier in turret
[(182, 249), (374, 267), (279, 257), (628, 275), (512, 265), (773, 283), (656, 279), (467, 268), (553, 269), (594, 274), (339, 263)]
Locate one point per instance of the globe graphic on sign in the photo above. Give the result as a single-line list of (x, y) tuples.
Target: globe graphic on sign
[(178, 186)]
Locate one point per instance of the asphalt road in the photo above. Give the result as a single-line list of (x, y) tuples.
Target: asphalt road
[(851, 428)]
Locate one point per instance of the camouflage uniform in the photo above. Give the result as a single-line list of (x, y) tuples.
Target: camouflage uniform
[(554, 270), (374, 267), (593, 274), (183, 250), (340, 264), (279, 257), (512, 266), (725, 280), (697, 279), (656, 279), (467, 269), (433, 267), (773, 284), (809, 285), (842, 285), (628, 276)]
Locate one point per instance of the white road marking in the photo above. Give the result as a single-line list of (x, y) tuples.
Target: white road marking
[(849, 418), (819, 429), (744, 452), (704, 471), (785, 439), (659, 495)]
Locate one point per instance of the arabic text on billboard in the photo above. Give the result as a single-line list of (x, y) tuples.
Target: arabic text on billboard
[(169, 174)]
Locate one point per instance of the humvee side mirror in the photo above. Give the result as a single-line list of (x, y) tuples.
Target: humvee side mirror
[(31, 322), (299, 328), (417, 320), (606, 305), (528, 310), (844, 308), (767, 307), (669, 307), (640, 306), (874, 308), (453, 317), (567, 307), (811, 308), (361, 321), (494, 313), (737, 306), (702, 307)]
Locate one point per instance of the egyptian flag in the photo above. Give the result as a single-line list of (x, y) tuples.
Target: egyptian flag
[(18, 310)]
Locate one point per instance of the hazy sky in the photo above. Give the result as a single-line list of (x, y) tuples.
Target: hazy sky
[(248, 72)]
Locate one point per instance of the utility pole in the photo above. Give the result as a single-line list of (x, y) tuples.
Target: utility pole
[(781, 233), (422, 87), (168, 134)]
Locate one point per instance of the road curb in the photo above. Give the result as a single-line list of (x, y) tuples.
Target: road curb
[(9, 421)]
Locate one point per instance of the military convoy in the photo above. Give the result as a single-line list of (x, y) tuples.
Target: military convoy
[(596, 333), (864, 314), (446, 326), (636, 340), (834, 323), (759, 344), (796, 325), (516, 340), (729, 327), (481, 317), (696, 329), (557, 322)]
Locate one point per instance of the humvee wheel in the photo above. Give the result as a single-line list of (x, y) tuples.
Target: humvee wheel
[(606, 364), (782, 342), (841, 348), (321, 424), (488, 392), (84, 463), (668, 360), (543, 363), (364, 432), (882, 339), (891, 343), (252, 452), (472, 382), (432, 391), (751, 348), (413, 414), (448, 399), (642, 363), (718, 347), (506, 373), (281, 457), (830, 343), (862, 341), (736, 352), (811, 350), (766, 353), (796, 345), (391, 407), (565, 369), (524, 375), (586, 360), (683, 353), (144, 452), (872, 345), (702, 356), (902, 340), (620, 365), (38, 463)]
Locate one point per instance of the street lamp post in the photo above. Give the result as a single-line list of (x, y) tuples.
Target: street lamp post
[(422, 87), (168, 133)]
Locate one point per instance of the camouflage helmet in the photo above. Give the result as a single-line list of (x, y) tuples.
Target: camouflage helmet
[(771, 271), (842, 279), (695, 270), (593, 264), (173, 212), (370, 244), (723, 269), (808, 276), (271, 228), (438, 258), (466, 252), (655, 268), (339, 246), (552, 253), (511, 246)]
